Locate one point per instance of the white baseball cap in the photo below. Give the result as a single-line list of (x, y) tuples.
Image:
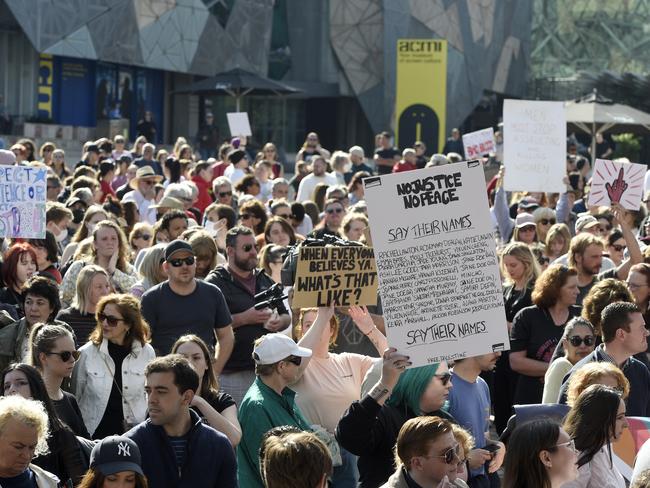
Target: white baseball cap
[(276, 347)]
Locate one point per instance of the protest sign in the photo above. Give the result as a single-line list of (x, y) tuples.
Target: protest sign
[(238, 124), (627, 447), (436, 258), (22, 201), (617, 182), (479, 143), (534, 146), (335, 275)]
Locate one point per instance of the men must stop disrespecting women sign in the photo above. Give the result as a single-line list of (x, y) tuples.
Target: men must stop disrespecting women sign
[(437, 263)]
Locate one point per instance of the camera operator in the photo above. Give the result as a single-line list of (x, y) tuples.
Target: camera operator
[(240, 280)]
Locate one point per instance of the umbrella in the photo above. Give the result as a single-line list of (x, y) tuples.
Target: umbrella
[(594, 113), (237, 83)]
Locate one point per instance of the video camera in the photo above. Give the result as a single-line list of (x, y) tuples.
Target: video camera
[(288, 273), (271, 298)]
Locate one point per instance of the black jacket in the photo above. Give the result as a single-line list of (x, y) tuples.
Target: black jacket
[(369, 430)]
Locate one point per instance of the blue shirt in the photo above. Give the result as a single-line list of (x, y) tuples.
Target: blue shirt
[(26, 479)]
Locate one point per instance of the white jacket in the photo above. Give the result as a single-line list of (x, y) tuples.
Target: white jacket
[(92, 381)]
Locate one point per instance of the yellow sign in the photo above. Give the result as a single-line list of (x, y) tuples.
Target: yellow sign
[(45, 82), (421, 93)]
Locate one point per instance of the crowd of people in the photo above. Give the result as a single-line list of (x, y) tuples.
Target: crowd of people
[(135, 350)]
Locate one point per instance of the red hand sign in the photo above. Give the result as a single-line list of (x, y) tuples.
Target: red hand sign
[(617, 188)]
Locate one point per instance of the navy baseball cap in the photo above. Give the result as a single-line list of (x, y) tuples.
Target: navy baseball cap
[(115, 454), (175, 246)]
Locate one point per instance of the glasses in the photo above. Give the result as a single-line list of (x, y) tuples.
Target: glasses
[(577, 340), (224, 194), (294, 360), (245, 216), (619, 247), (177, 263), (450, 455), (111, 320), (65, 355), (445, 378), (146, 237), (570, 444), (334, 210), (249, 247), (547, 221)]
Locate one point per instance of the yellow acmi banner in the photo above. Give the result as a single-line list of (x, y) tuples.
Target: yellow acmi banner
[(421, 99)]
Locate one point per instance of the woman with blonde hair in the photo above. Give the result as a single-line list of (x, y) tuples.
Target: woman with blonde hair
[(206, 252), (141, 237), (92, 285), (597, 373), (110, 251), (136, 150), (151, 270), (108, 378), (180, 141), (216, 407), (354, 224), (270, 153), (557, 241)]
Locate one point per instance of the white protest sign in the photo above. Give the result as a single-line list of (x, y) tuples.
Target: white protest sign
[(534, 146), (238, 124), (479, 143), (617, 182), (22, 201), (436, 259)]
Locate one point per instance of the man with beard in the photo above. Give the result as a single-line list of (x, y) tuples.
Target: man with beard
[(319, 175), (469, 403), (184, 305), (240, 280)]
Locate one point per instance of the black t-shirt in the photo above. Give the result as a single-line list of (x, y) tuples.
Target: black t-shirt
[(389, 153), (82, 324), (534, 331), (602, 148), (170, 315), (515, 300), (68, 411), (219, 402), (112, 423), (26, 479)]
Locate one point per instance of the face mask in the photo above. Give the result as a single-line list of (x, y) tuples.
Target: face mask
[(61, 236), (77, 215), (211, 228)]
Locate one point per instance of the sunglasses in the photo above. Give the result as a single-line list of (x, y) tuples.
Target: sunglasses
[(65, 355), (294, 360), (146, 237), (224, 194), (148, 182), (445, 378), (619, 248), (334, 210), (177, 263), (449, 456), (111, 320), (577, 340), (547, 221), (249, 247), (245, 216)]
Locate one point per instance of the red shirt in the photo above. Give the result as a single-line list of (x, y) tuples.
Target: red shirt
[(106, 188), (400, 167), (204, 193), (219, 168)]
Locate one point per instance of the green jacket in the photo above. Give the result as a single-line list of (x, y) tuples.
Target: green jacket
[(261, 410)]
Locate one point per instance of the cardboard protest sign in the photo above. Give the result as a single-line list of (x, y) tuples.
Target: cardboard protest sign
[(436, 258), (335, 275), (534, 146), (238, 124), (479, 143), (617, 182), (627, 447), (22, 201)]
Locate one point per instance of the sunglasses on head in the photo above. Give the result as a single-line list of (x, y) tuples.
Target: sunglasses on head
[(444, 378), (177, 263), (619, 247), (547, 221), (65, 355), (111, 320), (224, 194), (333, 210), (294, 360), (577, 340)]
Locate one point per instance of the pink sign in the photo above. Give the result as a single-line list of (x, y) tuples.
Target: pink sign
[(617, 182)]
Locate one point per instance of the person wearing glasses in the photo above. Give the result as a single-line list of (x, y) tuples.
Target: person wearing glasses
[(143, 192), (596, 420), (369, 428), (540, 455), (269, 402), (426, 454), (53, 354), (616, 246), (108, 377), (578, 341), (331, 223)]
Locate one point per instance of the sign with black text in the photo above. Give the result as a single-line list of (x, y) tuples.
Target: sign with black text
[(436, 258)]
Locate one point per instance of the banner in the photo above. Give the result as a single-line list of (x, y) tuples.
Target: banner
[(617, 182), (335, 275), (45, 87), (627, 447), (436, 258), (479, 143), (421, 93), (22, 201), (534, 146)]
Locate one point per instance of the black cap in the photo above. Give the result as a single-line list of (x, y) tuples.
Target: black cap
[(126, 157), (237, 155), (176, 246), (92, 148), (114, 454)]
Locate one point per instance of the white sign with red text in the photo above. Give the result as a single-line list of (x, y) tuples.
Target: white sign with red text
[(478, 144)]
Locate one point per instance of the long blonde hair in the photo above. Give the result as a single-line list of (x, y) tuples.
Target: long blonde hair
[(523, 254)]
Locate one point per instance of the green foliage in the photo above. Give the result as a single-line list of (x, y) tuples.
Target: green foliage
[(627, 146)]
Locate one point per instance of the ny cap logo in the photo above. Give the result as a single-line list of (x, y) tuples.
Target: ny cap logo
[(123, 449)]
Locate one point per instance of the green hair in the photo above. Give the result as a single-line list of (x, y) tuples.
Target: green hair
[(411, 386)]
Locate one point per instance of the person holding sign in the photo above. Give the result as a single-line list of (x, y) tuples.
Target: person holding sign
[(369, 427)]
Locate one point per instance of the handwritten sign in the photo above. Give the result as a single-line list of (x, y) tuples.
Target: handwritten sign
[(479, 143), (22, 201), (335, 275), (617, 182), (534, 139), (238, 124), (437, 264)]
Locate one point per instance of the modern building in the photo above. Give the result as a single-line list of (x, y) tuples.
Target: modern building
[(79, 63)]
